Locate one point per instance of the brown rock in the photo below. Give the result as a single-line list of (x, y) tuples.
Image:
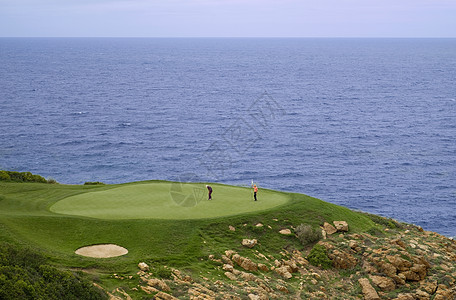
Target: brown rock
[(419, 269), (164, 296), (368, 291), (263, 267), (143, 266), (399, 263), (201, 293), (292, 264), (228, 268), (342, 260), (149, 289), (158, 284), (416, 273), (285, 231), (324, 234), (412, 276), (244, 263), (384, 283), (429, 286), (399, 279), (385, 267), (341, 226), (249, 243), (248, 276), (230, 253), (282, 288), (422, 295), (404, 296), (230, 276), (399, 242), (237, 259), (284, 272), (327, 245), (367, 267), (226, 260), (236, 272), (249, 265), (329, 228), (353, 244), (443, 293)]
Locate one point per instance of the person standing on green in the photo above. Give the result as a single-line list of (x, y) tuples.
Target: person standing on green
[(255, 191), (209, 189)]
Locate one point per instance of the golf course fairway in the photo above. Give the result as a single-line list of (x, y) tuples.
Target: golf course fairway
[(167, 200)]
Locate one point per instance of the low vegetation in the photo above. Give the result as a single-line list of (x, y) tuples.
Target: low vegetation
[(307, 234), (93, 183), (14, 176), (318, 257), (25, 274)]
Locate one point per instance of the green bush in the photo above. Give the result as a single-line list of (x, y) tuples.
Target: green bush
[(51, 180), (163, 272), (93, 183), (24, 274), (375, 231), (388, 222), (4, 176), (307, 235), (20, 177), (318, 257)]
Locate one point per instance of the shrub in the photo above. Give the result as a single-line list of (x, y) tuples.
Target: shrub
[(163, 272), (307, 235), (24, 274), (51, 180), (4, 176), (93, 183), (318, 257), (375, 231), (388, 222), (20, 177)]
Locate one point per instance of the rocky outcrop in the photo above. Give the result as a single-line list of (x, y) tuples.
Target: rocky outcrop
[(341, 226), (244, 262), (342, 259), (369, 292), (329, 229), (400, 264), (284, 272), (384, 283)]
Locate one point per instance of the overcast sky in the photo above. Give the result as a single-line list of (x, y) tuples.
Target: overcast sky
[(228, 18)]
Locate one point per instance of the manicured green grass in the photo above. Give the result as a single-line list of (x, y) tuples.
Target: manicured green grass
[(167, 200), (179, 236)]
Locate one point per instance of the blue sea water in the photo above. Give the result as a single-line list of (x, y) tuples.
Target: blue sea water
[(365, 123)]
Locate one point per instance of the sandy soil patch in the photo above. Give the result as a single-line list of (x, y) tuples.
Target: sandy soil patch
[(102, 251)]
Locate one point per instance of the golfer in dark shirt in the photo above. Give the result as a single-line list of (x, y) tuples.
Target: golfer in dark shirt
[(210, 192)]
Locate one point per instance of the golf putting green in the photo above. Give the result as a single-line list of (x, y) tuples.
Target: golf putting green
[(167, 200)]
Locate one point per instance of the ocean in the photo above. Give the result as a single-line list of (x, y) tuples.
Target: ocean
[(365, 123)]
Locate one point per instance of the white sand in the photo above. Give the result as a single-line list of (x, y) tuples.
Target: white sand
[(102, 251)]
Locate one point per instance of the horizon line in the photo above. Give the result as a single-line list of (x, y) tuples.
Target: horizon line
[(242, 37)]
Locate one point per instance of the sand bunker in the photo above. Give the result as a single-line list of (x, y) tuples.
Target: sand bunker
[(102, 251)]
